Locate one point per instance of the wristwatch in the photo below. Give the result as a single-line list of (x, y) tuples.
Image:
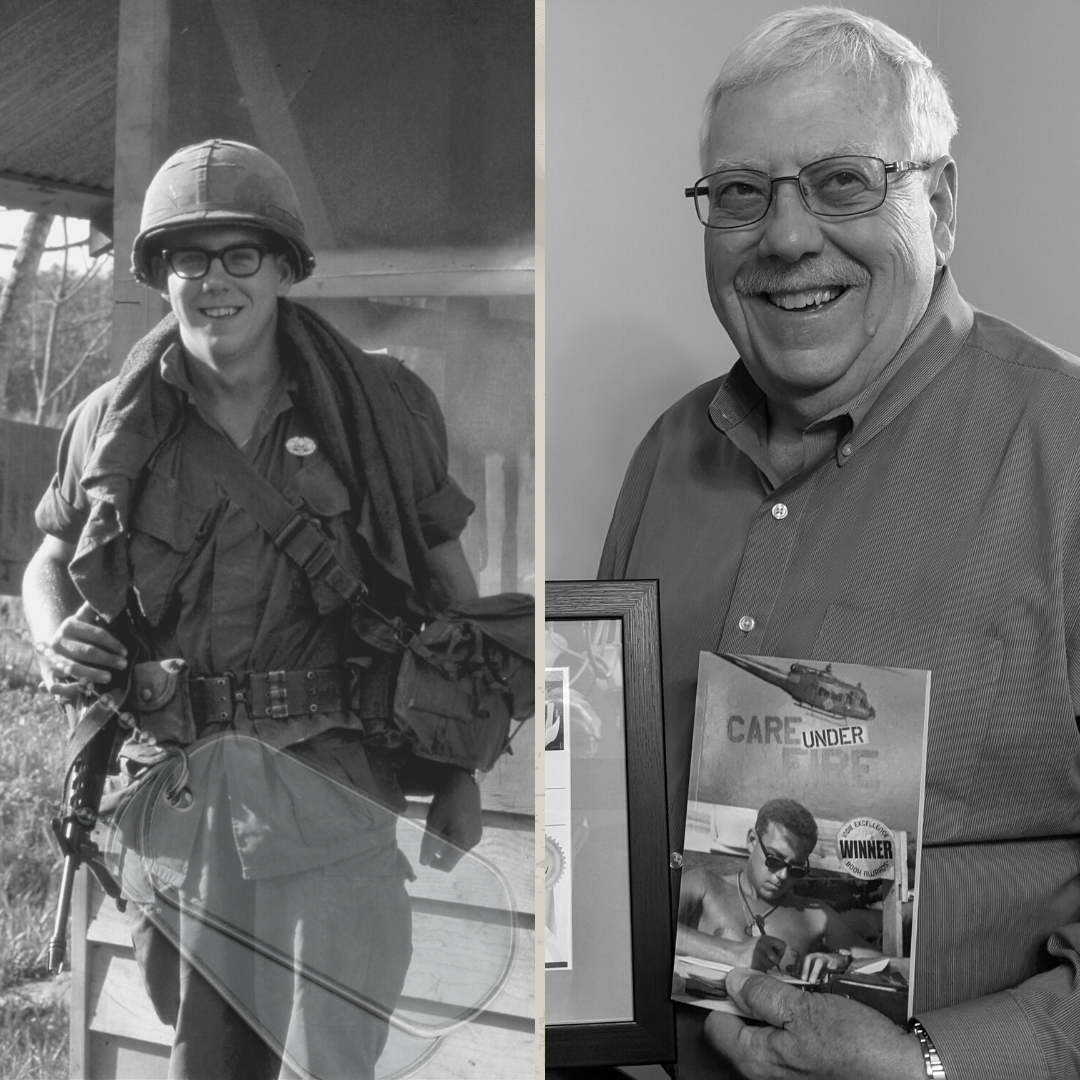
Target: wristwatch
[(934, 1069)]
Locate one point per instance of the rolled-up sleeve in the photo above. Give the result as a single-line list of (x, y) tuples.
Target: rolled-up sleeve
[(64, 507)]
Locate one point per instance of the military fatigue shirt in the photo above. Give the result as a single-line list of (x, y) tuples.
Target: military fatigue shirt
[(211, 585)]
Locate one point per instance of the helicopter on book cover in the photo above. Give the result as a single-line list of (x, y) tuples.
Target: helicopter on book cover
[(817, 689)]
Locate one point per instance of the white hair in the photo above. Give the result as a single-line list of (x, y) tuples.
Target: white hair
[(821, 38)]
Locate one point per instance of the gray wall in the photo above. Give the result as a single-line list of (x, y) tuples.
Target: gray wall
[(629, 327)]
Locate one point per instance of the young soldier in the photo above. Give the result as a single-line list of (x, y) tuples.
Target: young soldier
[(754, 918), (140, 522)]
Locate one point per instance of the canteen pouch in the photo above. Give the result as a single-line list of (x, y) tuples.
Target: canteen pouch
[(161, 699), (462, 680)]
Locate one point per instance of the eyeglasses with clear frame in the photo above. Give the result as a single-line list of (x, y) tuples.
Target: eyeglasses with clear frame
[(834, 187), (192, 263)]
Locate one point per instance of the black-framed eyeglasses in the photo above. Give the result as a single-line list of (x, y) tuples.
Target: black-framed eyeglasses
[(833, 187), (192, 263), (775, 864)]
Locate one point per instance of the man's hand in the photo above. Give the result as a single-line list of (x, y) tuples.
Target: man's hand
[(454, 824), (761, 953), (817, 965), (79, 649), (809, 1036)]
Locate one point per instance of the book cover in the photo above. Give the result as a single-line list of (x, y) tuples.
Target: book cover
[(801, 851)]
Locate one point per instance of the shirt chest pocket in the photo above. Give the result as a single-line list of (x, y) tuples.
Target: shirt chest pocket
[(964, 666), (166, 535), (326, 500), (318, 485)]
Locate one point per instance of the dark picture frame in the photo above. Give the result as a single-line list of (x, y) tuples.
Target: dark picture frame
[(650, 1036)]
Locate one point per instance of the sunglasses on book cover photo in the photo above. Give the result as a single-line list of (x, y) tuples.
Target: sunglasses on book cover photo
[(774, 863)]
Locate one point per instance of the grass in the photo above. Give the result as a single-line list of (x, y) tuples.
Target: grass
[(33, 1010)]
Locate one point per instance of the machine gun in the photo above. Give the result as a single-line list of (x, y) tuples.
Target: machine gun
[(95, 722)]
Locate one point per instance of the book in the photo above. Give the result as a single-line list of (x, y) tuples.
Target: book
[(803, 826)]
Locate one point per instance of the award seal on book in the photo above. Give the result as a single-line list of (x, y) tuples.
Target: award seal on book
[(864, 847)]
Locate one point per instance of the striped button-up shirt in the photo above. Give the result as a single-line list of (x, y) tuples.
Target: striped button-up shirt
[(938, 529)]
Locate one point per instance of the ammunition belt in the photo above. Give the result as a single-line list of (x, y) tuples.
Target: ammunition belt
[(284, 694)]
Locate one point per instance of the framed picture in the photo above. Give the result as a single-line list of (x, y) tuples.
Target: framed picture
[(607, 908)]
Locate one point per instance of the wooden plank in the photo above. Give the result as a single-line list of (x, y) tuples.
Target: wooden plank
[(445, 967), (510, 821), (142, 107), (108, 925), (510, 850), (474, 1050), (453, 929), (118, 1058), (458, 940), (477, 1050), (52, 196), (27, 464), (442, 271), (266, 101), (117, 999), (78, 1032), (388, 323)]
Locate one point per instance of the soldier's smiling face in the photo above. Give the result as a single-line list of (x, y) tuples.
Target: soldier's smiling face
[(223, 317)]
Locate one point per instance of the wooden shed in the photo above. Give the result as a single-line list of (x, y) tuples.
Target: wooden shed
[(407, 128)]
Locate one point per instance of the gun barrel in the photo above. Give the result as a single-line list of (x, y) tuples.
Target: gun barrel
[(58, 944)]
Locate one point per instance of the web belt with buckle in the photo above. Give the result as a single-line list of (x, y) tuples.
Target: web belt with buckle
[(274, 694)]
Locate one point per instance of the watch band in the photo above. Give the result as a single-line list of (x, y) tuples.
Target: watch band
[(934, 1069)]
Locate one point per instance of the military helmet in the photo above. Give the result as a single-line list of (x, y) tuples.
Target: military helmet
[(220, 182)]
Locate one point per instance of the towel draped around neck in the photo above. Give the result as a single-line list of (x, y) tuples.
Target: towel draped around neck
[(347, 391)]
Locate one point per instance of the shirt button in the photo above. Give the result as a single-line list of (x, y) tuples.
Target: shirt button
[(779, 511), (846, 450), (746, 624)]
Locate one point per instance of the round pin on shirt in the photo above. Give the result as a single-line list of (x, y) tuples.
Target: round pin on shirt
[(300, 446)]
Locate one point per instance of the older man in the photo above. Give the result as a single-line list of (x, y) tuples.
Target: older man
[(885, 477)]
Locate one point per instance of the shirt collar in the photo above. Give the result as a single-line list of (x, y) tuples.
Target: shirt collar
[(932, 343), (174, 372)]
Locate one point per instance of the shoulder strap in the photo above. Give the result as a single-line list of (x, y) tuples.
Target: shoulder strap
[(94, 720), (290, 529)]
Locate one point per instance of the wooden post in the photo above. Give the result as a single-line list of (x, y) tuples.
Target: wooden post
[(142, 106), (892, 907), (79, 1028), (269, 110)]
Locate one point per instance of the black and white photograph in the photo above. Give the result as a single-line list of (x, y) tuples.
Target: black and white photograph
[(267, 551), (558, 834), (800, 857)]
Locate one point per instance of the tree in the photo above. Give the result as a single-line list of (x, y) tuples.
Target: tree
[(59, 339), (17, 291)]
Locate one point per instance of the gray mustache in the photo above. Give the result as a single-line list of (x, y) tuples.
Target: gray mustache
[(752, 280)]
